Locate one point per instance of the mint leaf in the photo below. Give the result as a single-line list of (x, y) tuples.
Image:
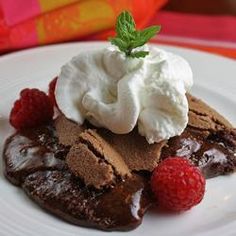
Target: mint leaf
[(138, 42), (149, 32), (129, 38), (125, 25), (120, 43), (139, 54)]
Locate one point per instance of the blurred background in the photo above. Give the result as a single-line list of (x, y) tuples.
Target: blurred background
[(208, 25), (224, 7)]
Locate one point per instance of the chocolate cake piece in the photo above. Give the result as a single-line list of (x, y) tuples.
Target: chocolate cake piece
[(67, 131), (83, 163), (137, 153), (95, 161), (134, 149), (209, 141), (107, 152), (203, 117)]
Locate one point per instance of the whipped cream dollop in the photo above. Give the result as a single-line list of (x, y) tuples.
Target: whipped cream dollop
[(118, 92)]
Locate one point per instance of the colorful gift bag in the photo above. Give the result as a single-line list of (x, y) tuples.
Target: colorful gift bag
[(27, 23)]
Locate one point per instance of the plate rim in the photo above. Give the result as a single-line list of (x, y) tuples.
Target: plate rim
[(56, 46), (26, 51)]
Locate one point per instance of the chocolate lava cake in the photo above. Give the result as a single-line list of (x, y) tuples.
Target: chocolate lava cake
[(94, 178)]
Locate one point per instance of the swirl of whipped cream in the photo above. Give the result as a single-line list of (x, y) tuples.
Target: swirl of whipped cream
[(118, 92)]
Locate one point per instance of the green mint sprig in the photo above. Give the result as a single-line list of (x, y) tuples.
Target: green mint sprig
[(129, 38)]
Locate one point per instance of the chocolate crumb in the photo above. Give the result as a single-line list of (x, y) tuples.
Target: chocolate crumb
[(95, 161), (67, 131), (106, 151), (137, 153), (203, 117), (83, 163)]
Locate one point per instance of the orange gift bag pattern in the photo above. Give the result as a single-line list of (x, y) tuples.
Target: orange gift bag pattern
[(27, 23)]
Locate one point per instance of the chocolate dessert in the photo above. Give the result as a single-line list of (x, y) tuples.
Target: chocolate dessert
[(209, 141), (128, 136), (56, 173), (37, 162)]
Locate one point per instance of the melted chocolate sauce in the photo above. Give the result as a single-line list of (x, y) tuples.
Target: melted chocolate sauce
[(34, 160), (214, 154)]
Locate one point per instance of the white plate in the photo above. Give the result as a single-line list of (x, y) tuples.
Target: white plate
[(215, 82)]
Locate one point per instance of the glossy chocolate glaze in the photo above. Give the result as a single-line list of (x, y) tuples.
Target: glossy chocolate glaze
[(119, 208), (31, 150), (35, 161), (214, 153)]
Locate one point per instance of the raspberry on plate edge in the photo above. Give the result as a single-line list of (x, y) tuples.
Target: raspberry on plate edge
[(32, 109), (177, 184)]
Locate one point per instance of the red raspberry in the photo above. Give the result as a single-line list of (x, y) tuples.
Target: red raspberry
[(32, 109), (51, 91), (177, 184)]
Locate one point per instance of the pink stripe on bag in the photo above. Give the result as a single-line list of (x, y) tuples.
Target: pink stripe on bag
[(220, 28), (15, 11)]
